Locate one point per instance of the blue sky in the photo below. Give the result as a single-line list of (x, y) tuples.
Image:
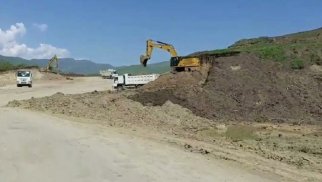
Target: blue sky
[(109, 31)]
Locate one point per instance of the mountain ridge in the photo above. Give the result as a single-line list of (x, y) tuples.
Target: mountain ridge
[(67, 65)]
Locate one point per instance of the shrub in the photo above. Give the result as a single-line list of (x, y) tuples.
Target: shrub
[(5, 66), (315, 59), (275, 53), (297, 64)]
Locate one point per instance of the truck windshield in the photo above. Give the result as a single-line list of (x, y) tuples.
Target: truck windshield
[(23, 74)]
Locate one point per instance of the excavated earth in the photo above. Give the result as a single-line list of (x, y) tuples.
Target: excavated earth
[(242, 88), (236, 108), (295, 148)]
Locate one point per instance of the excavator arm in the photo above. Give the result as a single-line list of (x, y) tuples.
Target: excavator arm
[(52, 64), (150, 45)]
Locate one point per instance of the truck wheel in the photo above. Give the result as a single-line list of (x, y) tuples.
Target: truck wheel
[(18, 85), (30, 86), (119, 88)]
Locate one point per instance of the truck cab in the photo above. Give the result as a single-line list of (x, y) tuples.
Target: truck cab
[(118, 81), (24, 78)]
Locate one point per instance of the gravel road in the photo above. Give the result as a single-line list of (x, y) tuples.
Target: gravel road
[(35, 147)]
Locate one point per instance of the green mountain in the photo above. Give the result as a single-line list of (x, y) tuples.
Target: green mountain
[(160, 68), (70, 65), (67, 65), (14, 60)]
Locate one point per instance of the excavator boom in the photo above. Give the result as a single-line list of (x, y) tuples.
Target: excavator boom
[(52, 65), (150, 45), (177, 63)]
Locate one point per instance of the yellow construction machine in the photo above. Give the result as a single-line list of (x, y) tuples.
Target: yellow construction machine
[(178, 63), (52, 65)]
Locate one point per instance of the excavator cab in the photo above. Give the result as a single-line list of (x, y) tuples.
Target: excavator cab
[(174, 61)]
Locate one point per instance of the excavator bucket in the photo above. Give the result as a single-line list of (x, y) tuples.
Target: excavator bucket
[(144, 59)]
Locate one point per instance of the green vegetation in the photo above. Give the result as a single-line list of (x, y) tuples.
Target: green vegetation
[(275, 53), (6, 66), (315, 59), (294, 50), (297, 64), (217, 51)]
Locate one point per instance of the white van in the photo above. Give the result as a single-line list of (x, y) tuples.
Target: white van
[(24, 78)]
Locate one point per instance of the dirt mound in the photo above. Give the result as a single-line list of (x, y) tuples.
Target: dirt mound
[(241, 88), (116, 109), (295, 145)]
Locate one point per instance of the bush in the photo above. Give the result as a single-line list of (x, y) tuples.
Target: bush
[(315, 59), (297, 64), (5, 66), (275, 53)]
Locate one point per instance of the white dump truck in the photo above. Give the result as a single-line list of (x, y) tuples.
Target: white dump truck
[(108, 74), (24, 78), (126, 80)]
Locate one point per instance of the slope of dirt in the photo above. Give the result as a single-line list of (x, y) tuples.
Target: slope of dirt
[(242, 88)]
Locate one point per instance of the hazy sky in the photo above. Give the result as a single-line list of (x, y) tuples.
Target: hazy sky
[(111, 31)]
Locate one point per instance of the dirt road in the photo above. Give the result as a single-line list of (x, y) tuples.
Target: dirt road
[(38, 147)]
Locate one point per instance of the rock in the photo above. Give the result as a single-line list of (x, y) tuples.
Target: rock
[(187, 146), (222, 128)]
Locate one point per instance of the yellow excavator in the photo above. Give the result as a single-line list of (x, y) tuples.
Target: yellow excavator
[(52, 65), (178, 63)]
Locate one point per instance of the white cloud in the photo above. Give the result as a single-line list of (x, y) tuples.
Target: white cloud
[(41, 27), (9, 45)]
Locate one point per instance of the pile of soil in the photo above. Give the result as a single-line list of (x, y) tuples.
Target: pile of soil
[(116, 110), (241, 88), (296, 145)]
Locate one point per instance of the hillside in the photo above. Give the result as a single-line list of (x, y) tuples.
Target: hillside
[(160, 68), (294, 51), (67, 65), (276, 79)]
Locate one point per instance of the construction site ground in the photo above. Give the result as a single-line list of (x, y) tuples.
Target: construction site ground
[(118, 136), (37, 146)]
